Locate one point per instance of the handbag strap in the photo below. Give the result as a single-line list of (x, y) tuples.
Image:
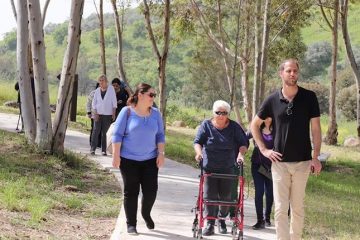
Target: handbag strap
[(128, 111)]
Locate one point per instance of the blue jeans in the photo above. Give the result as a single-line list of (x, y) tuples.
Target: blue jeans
[(262, 185)]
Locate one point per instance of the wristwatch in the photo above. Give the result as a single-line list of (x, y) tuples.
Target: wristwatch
[(162, 153)]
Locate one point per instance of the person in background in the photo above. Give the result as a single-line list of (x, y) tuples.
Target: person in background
[(89, 114), (261, 172), (138, 149), (121, 95), (219, 143), (103, 112), (17, 88), (295, 114)]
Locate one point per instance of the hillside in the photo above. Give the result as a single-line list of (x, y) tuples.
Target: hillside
[(190, 61)]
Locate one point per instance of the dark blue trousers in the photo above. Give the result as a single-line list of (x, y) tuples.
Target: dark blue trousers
[(262, 185)]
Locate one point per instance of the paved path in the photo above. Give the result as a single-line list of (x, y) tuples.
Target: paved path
[(178, 186)]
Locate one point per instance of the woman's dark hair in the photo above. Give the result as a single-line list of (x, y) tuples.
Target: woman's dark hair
[(116, 80), (262, 126), (97, 85), (141, 88)]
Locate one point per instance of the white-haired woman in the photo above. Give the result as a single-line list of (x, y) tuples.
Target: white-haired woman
[(220, 142)]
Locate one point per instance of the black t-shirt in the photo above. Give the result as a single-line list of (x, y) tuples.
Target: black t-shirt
[(291, 123)]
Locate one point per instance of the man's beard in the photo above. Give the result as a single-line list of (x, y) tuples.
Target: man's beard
[(291, 82)]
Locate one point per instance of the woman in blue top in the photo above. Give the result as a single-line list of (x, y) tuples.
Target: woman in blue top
[(262, 183), (219, 142), (138, 149)]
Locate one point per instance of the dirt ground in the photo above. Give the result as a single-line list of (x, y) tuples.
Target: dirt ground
[(56, 226)]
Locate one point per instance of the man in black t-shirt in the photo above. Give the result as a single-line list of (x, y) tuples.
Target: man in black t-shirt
[(295, 113)]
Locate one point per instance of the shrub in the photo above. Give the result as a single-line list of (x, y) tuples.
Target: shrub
[(346, 102), (174, 113), (345, 78)]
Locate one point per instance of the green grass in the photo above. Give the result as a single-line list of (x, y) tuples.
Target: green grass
[(37, 184)]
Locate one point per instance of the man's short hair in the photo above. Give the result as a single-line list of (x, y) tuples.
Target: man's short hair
[(289, 60)]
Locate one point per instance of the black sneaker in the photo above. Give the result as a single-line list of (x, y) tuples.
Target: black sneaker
[(149, 222), (267, 223), (209, 230), (131, 230), (92, 152), (222, 227), (259, 225), (104, 153)]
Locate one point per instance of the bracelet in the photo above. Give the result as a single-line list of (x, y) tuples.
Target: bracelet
[(162, 153)]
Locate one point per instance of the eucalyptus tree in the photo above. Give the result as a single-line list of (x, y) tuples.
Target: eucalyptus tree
[(37, 123), (344, 10), (330, 12), (119, 24), (28, 111), (212, 18), (43, 117), (100, 15), (163, 8), (67, 76)]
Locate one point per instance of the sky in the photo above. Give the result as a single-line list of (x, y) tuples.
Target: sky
[(57, 12)]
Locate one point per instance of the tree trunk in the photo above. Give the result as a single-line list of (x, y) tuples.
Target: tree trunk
[(67, 76), (102, 37), (162, 58), (43, 117), (14, 8), (45, 11), (26, 96), (245, 69), (349, 52), (264, 49), (332, 133), (119, 31), (257, 63)]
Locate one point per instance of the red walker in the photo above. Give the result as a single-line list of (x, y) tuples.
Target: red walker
[(238, 204)]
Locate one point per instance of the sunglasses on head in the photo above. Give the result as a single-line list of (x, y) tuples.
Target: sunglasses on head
[(152, 95), (221, 113)]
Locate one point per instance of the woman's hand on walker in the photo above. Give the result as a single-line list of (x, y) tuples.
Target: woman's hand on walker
[(198, 157)]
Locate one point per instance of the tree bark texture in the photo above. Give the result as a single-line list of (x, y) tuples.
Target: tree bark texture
[(332, 133), (26, 94), (349, 52), (245, 68), (102, 37), (257, 63), (43, 116), (119, 31), (264, 49), (67, 76), (162, 57)]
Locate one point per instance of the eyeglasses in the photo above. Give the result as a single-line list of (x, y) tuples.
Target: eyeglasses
[(289, 108), (221, 113), (152, 95)]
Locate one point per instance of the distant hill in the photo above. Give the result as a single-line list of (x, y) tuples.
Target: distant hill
[(140, 62)]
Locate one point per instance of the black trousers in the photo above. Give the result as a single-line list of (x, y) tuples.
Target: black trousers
[(218, 189), (136, 174), (262, 185)]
